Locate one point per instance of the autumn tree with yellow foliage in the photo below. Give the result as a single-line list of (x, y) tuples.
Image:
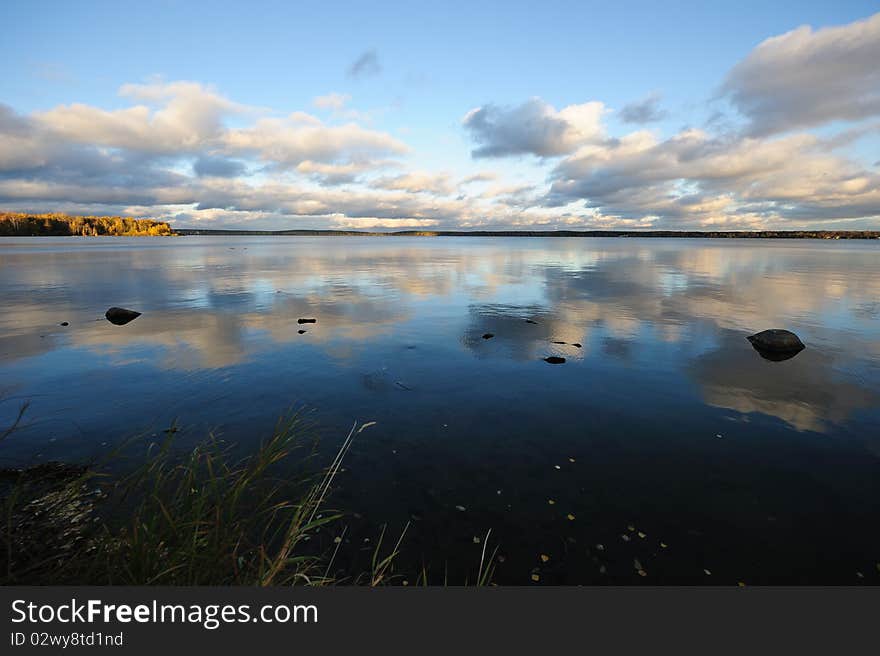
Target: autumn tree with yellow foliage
[(20, 224)]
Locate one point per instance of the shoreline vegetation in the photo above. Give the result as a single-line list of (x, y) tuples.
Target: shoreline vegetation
[(197, 516), (20, 224)]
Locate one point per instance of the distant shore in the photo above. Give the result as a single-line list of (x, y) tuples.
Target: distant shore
[(694, 234), (21, 224)]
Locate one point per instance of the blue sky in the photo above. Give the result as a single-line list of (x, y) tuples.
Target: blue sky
[(399, 126)]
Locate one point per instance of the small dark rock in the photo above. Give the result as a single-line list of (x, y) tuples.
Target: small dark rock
[(530, 321), (776, 344), (63, 323), (301, 331), (306, 320), (576, 345), (488, 336), (120, 316), (559, 342), (554, 359)]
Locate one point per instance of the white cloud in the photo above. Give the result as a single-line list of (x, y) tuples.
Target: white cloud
[(806, 78), (533, 128)]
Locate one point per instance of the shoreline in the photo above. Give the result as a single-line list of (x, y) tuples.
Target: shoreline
[(655, 234)]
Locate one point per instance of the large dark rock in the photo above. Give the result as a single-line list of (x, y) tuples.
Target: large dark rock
[(488, 336), (554, 359), (120, 316), (776, 342), (306, 320)]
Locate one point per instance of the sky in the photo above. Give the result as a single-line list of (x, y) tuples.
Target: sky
[(404, 115)]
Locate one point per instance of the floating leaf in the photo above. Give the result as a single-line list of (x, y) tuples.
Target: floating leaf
[(642, 535), (536, 578), (631, 528), (625, 537), (600, 547), (570, 517), (571, 459), (741, 584), (551, 502), (544, 558), (708, 573), (476, 540), (557, 467), (460, 508), (636, 564), (664, 545)]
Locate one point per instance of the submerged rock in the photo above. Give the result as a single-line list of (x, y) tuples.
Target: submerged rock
[(64, 323), (488, 336), (554, 359), (576, 345), (559, 342), (120, 316), (306, 320), (301, 332), (530, 321), (776, 342)]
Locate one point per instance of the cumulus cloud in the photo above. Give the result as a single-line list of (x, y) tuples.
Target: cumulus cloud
[(694, 178), (366, 65), (533, 128), (218, 166), (647, 110), (809, 77), (287, 142), (416, 182)]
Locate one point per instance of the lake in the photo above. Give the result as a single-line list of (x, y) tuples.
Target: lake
[(664, 442)]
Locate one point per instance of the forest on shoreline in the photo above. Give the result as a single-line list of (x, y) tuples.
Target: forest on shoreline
[(19, 224)]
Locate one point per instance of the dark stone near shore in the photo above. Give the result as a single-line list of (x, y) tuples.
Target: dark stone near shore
[(560, 342), (120, 316), (488, 336), (554, 359), (301, 331), (576, 345), (63, 323), (776, 340), (530, 321), (306, 320)]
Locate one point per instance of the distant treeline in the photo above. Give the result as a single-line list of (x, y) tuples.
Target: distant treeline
[(728, 234), (47, 225)]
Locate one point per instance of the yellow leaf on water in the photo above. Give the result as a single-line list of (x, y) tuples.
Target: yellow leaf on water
[(570, 517), (642, 535), (664, 545), (631, 528), (741, 584), (551, 502), (536, 578), (544, 558)]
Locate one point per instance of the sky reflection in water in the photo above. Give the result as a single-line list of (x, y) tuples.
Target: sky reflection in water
[(663, 368)]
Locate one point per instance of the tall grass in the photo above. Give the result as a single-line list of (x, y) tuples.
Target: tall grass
[(202, 518), (196, 517)]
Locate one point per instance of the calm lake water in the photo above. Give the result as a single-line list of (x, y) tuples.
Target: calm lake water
[(664, 427)]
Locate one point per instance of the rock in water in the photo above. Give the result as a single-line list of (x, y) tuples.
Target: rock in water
[(488, 336), (776, 344), (555, 359), (306, 320), (120, 316)]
